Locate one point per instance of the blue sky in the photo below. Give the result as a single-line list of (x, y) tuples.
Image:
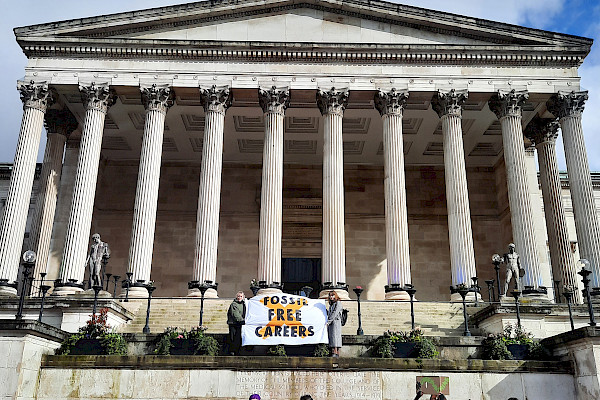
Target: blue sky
[(576, 17)]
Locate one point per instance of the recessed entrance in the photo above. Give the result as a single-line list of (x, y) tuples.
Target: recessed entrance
[(300, 272)]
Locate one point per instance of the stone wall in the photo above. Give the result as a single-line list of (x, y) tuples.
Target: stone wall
[(239, 224)]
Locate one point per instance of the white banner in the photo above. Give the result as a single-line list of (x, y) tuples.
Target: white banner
[(284, 319)]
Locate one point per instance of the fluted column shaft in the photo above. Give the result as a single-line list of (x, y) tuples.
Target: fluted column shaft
[(543, 134), (215, 101), (507, 107), (448, 105), (332, 105), (390, 105), (569, 107), (59, 125), (35, 99), (157, 101), (273, 102), (97, 100)]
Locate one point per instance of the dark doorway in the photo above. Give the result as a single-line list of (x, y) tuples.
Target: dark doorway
[(300, 272)]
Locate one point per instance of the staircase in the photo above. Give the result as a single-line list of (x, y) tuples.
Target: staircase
[(435, 319)]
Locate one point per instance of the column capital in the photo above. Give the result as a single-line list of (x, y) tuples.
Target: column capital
[(449, 102), (391, 102), (566, 104), (273, 100), (35, 95), (62, 122), (217, 99), (332, 101), (97, 96), (541, 130), (157, 97), (506, 103)]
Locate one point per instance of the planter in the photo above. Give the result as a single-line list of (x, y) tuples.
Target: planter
[(406, 350), (87, 347), (518, 351), (182, 347)]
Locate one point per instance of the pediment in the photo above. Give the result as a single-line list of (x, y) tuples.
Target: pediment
[(304, 25), (316, 21)]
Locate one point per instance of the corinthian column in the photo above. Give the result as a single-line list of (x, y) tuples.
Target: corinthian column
[(332, 104), (96, 99), (215, 102), (390, 106), (568, 106), (157, 101), (59, 125), (35, 98), (543, 133), (507, 107), (448, 106), (273, 103)]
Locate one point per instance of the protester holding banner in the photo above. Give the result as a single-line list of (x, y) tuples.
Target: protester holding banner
[(334, 323), (235, 319)]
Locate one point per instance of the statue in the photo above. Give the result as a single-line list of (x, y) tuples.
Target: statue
[(513, 268), (98, 251)]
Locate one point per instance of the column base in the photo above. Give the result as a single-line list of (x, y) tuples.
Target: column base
[(209, 294), (8, 291), (398, 295), (66, 289), (471, 297), (343, 294), (103, 294), (268, 291)]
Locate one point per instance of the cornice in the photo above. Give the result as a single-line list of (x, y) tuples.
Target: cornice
[(44, 47), (172, 17)]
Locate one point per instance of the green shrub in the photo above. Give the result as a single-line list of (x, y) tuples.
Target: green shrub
[(321, 350), (203, 344), (495, 346), (385, 345), (277, 351)]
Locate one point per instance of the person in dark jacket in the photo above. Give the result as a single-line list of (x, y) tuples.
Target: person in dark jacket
[(235, 319)]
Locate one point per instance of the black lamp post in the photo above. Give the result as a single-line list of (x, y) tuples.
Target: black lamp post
[(42, 278), (28, 264), (463, 291), (568, 293), (516, 294), (44, 289), (358, 290), (490, 288), (97, 289), (150, 288), (116, 278), (107, 280), (475, 287), (497, 260), (410, 289), (307, 290), (127, 284), (585, 273), (202, 287)]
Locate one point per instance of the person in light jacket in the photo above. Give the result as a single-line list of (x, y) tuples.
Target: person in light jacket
[(334, 323)]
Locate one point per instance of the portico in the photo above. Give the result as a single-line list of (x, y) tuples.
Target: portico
[(391, 150)]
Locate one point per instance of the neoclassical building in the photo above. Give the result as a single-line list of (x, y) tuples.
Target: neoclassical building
[(318, 142)]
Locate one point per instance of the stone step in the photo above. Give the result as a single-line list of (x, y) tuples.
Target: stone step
[(439, 319)]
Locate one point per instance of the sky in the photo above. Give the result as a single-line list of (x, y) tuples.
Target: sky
[(576, 17)]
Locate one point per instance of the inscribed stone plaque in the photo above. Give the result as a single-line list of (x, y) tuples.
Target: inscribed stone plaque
[(279, 385)]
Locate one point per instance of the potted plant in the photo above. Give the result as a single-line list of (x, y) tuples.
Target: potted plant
[(411, 344), (514, 343), (95, 338), (174, 341)]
